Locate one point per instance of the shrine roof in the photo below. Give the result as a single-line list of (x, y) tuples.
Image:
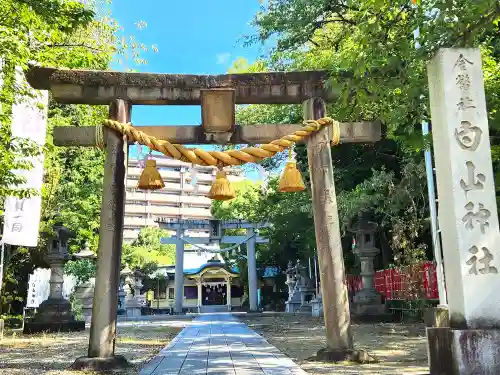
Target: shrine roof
[(210, 264)]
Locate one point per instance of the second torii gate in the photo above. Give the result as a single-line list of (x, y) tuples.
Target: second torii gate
[(121, 90), (216, 236)]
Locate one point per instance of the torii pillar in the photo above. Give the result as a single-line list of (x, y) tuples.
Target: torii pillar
[(252, 270), (105, 303), (179, 272), (328, 241)]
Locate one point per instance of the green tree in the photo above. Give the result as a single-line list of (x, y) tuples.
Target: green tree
[(82, 269), (147, 251), (377, 73), (27, 28), (59, 33)]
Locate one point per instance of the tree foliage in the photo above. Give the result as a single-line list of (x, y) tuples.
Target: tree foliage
[(82, 269), (376, 53), (58, 33), (369, 47), (147, 251)]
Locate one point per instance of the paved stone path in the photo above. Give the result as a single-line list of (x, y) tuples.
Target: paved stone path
[(219, 344)]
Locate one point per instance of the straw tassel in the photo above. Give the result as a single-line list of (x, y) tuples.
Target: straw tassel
[(221, 189), (291, 179), (150, 177)]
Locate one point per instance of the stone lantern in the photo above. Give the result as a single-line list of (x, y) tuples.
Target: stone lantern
[(124, 292), (290, 279), (134, 304), (366, 300), (54, 314), (85, 292)]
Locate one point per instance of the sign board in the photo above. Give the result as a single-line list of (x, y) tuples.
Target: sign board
[(22, 216), (39, 287)]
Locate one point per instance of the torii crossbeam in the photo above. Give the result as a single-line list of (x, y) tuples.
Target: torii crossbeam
[(217, 95)]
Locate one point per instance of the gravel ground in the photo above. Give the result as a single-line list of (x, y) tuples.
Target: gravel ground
[(51, 354), (401, 349)]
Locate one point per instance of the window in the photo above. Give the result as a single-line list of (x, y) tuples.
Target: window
[(191, 292), (171, 294), (162, 293), (236, 291)]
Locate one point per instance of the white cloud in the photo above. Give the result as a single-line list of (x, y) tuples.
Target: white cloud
[(223, 58)]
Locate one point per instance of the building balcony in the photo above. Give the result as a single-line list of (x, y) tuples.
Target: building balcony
[(173, 175), (154, 210), (166, 211), (171, 187), (137, 222), (162, 161), (154, 197), (168, 162)]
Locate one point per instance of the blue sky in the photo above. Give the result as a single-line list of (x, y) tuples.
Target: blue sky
[(192, 36)]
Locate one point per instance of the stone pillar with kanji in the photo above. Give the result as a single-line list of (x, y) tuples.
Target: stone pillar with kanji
[(467, 215)]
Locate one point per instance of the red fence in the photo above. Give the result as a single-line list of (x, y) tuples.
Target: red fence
[(395, 283)]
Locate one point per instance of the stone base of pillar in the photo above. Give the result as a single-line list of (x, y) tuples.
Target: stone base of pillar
[(317, 307), (116, 362), (342, 355), (87, 315), (463, 351), (53, 315), (134, 310), (367, 297), (292, 306), (367, 303), (372, 309)]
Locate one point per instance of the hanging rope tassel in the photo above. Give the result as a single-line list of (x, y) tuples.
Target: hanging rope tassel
[(150, 177), (221, 189), (291, 179)]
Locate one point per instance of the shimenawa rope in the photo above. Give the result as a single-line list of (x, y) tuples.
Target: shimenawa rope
[(220, 158)]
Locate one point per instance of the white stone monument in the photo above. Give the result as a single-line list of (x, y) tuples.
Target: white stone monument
[(467, 215), (39, 287)]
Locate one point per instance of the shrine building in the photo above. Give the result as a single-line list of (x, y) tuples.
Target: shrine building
[(210, 285)]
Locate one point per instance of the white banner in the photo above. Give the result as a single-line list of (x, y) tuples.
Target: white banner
[(22, 216)]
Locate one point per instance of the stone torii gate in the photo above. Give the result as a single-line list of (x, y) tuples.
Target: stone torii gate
[(216, 236), (217, 95)]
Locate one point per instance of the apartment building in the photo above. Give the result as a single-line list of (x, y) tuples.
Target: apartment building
[(179, 199)]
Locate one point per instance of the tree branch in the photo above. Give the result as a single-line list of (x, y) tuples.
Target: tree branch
[(313, 42), (465, 35), (345, 20), (74, 46)]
